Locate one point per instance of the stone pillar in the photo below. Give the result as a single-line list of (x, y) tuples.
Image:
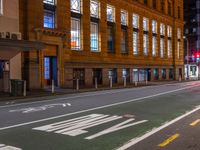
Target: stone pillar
[(86, 26), (103, 29), (152, 74), (160, 73), (105, 77), (167, 73), (88, 77), (68, 78), (119, 76), (117, 31), (34, 81)]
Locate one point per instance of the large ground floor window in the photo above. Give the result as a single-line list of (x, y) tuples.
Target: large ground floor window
[(112, 73), (79, 73)]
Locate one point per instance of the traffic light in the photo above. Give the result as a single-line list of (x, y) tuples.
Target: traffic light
[(197, 57)]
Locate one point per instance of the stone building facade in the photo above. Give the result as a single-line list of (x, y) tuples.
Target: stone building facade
[(103, 40)]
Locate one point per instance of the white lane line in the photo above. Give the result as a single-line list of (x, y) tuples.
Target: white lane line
[(93, 94), (87, 110), (136, 140)]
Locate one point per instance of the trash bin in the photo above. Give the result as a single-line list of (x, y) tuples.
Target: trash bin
[(17, 87)]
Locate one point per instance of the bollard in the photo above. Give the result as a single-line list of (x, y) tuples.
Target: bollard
[(146, 81), (77, 84), (24, 88), (111, 84), (135, 83), (96, 84), (52, 87), (124, 81)]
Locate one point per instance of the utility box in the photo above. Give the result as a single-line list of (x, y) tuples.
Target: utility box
[(17, 87)]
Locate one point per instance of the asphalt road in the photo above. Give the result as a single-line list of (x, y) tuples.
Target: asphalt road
[(100, 120)]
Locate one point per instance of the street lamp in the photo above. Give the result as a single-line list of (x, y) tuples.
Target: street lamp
[(187, 43)]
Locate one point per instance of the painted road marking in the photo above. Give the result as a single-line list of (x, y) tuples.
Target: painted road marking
[(39, 108), (169, 140), (5, 147), (195, 122), (95, 94), (96, 108), (136, 140), (78, 126)]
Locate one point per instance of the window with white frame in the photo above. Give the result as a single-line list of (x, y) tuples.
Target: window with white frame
[(49, 19), (169, 45), (169, 31), (179, 33), (178, 49), (135, 21), (94, 8), (76, 6), (135, 43), (179, 42), (1, 7), (49, 14), (154, 46), (145, 44), (145, 24), (94, 36), (75, 34), (110, 13), (169, 48), (124, 40), (154, 26), (51, 2), (124, 17), (162, 47), (162, 29)]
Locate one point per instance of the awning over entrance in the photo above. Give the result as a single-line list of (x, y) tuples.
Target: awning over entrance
[(9, 48)]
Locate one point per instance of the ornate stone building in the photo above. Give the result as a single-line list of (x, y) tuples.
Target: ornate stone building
[(136, 40)]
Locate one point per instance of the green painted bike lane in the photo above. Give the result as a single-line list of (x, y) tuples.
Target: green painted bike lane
[(156, 110)]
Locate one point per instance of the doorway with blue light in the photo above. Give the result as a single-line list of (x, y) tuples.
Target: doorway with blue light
[(50, 71)]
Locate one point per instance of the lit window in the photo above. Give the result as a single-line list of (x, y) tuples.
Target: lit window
[(51, 2), (169, 48), (94, 8), (145, 44), (1, 7), (162, 29), (75, 34), (94, 37), (76, 6), (145, 24), (110, 13), (162, 46), (154, 26), (135, 43), (179, 33), (154, 45), (124, 17), (135, 21), (49, 19), (178, 49), (169, 31)]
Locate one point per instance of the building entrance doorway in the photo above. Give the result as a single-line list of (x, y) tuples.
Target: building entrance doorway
[(50, 70), (97, 73)]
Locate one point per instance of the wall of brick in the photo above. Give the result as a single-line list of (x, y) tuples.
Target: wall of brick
[(31, 15)]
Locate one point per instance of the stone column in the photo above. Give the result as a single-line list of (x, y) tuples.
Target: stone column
[(88, 77), (105, 77)]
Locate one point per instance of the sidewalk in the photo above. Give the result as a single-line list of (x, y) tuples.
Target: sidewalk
[(47, 94)]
